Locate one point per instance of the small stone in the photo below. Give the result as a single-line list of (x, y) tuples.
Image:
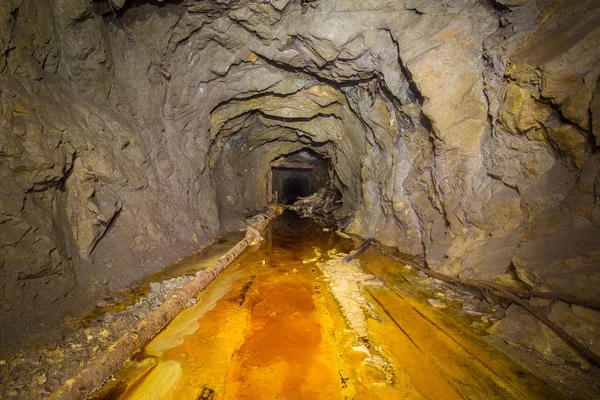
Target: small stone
[(435, 284), (509, 280), (483, 305), (42, 379), (436, 303), (102, 304), (118, 4), (470, 304), (499, 312), (449, 294), (109, 318), (156, 287)]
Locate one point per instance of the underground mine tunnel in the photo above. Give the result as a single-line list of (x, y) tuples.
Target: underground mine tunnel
[(297, 175), (327, 199)]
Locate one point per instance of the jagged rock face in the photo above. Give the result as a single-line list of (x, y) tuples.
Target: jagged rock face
[(90, 200), (462, 132)]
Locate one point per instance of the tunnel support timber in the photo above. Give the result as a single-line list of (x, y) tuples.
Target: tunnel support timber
[(107, 363)]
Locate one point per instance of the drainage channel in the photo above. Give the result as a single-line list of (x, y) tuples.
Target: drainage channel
[(108, 362), (290, 320)]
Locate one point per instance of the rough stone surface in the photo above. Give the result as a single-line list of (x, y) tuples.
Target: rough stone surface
[(533, 344), (521, 327), (465, 133), (37, 372)]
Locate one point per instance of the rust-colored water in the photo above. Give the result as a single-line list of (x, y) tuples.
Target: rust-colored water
[(269, 328)]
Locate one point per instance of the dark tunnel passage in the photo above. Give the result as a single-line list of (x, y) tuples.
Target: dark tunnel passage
[(299, 174), (294, 187)]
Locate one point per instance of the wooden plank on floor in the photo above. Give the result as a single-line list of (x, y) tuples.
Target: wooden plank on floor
[(459, 351), (464, 371)]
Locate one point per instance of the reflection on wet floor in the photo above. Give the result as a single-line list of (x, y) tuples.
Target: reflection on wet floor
[(270, 328)]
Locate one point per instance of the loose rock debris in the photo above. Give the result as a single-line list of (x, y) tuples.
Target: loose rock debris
[(346, 281), (35, 373)]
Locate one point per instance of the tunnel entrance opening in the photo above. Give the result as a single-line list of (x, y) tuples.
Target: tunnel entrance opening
[(294, 188), (297, 175)]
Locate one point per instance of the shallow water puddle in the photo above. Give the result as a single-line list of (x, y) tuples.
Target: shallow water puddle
[(270, 328)]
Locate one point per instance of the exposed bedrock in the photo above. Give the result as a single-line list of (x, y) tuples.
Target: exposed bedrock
[(465, 133)]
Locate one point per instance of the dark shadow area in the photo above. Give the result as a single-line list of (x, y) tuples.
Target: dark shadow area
[(299, 174), (294, 187)]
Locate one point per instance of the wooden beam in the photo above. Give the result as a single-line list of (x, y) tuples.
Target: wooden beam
[(291, 165)]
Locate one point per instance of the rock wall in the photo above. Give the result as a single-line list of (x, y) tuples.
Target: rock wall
[(465, 133), (90, 198)]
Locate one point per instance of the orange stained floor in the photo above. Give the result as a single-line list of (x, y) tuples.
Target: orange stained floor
[(269, 328)]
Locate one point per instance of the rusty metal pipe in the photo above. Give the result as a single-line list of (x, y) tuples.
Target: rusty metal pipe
[(101, 367)]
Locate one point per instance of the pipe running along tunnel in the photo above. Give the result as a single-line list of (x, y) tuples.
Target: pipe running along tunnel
[(134, 132)]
